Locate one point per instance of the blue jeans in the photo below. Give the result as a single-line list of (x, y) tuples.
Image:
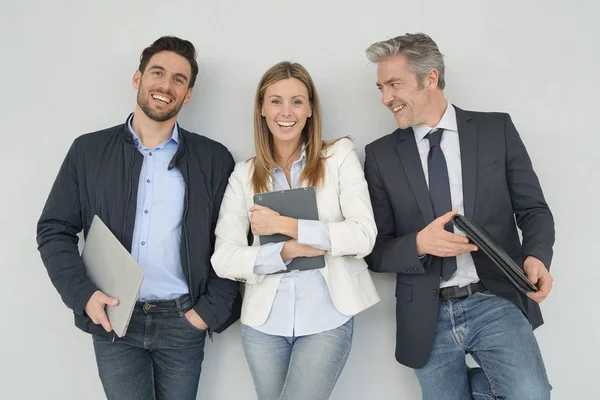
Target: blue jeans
[(159, 358), (297, 368), (499, 337)]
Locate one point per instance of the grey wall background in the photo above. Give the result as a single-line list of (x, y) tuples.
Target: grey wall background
[(66, 69)]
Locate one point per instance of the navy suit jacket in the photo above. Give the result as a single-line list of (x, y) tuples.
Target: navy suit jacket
[(500, 188)]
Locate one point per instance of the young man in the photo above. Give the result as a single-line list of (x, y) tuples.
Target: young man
[(450, 298), (158, 188)]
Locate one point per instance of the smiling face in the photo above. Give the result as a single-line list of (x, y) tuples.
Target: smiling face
[(401, 93), (163, 87), (286, 107)]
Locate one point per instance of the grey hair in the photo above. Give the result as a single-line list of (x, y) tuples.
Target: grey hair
[(422, 52)]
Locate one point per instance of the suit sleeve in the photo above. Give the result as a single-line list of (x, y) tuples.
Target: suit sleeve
[(215, 305), (391, 253), (532, 213), (355, 235), (57, 238), (233, 257)]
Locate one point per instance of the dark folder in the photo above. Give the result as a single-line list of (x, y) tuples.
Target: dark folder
[(485, 243), (298, 203)]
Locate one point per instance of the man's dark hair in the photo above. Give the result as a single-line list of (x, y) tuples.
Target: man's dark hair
[(179, 46)]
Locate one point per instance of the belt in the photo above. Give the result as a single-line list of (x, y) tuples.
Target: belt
[(166, 308), (455, 292)]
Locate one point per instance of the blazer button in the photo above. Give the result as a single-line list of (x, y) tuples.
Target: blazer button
[(434, 293)]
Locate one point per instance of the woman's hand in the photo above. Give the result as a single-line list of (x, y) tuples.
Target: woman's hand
[(291, 249), (264, 221)]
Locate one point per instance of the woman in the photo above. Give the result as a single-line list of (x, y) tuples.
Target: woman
[(297, 326)]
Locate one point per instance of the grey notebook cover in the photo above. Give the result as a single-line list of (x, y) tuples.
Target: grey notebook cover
[(114, 271), (298, 203)]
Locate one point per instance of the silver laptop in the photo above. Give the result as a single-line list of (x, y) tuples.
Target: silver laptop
[(114, 271)]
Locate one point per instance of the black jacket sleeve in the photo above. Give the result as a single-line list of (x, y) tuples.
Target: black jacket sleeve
[(217, 305), (57, 239), (532, 214)]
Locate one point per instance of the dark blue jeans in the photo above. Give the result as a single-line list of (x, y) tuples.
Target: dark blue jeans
[(159, 358), (499, 337)]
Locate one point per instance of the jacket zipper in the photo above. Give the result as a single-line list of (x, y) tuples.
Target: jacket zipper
[(185, 236), (187, 250), (128, 194), (114, 335)]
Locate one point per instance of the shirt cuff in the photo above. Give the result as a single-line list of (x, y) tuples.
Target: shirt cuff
[(314, 234), (269, 259)]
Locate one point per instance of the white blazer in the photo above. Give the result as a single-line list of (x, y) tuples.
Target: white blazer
[(343, 203)]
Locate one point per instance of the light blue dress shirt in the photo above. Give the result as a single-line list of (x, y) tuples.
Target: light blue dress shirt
[(302, 304), (159, 212)]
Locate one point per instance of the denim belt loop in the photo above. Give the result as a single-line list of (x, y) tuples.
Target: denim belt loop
[(179, 309)]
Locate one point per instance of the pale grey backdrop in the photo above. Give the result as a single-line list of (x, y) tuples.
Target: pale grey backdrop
[(66, 69)]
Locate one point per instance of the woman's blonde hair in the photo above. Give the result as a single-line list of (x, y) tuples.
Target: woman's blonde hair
[(314, 168)]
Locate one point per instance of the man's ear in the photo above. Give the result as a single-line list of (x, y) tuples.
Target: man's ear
[(432, 78), (137, 78), (188, 96)]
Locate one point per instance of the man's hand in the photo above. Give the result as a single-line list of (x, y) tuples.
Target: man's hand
[(195, 319), (291, 249), (538, 275), (437, 241), (263, 220), (95, 309)]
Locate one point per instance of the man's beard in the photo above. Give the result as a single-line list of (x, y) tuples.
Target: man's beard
[(142, 100)]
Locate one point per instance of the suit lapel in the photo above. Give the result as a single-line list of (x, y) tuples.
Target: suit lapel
[(411, 162), (467, 134)]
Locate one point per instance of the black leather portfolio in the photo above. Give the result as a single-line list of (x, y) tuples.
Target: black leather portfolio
[(485, 243)]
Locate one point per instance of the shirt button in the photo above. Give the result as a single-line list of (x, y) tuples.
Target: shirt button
[(434, 293), (143, 243), (150, 154), (147, 180), (145, 211)]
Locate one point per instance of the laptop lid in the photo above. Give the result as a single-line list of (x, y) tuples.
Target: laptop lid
[(114, 271)]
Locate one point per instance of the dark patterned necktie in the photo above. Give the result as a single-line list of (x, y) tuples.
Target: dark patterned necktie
[(439, 191)]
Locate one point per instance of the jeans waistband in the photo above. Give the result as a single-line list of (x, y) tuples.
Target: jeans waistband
[(175, 307)]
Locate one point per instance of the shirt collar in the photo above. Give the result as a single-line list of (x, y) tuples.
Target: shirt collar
[(174, 135), (300, 159), (447, 123)]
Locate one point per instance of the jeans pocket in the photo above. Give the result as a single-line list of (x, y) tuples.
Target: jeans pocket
[(191, 326)]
